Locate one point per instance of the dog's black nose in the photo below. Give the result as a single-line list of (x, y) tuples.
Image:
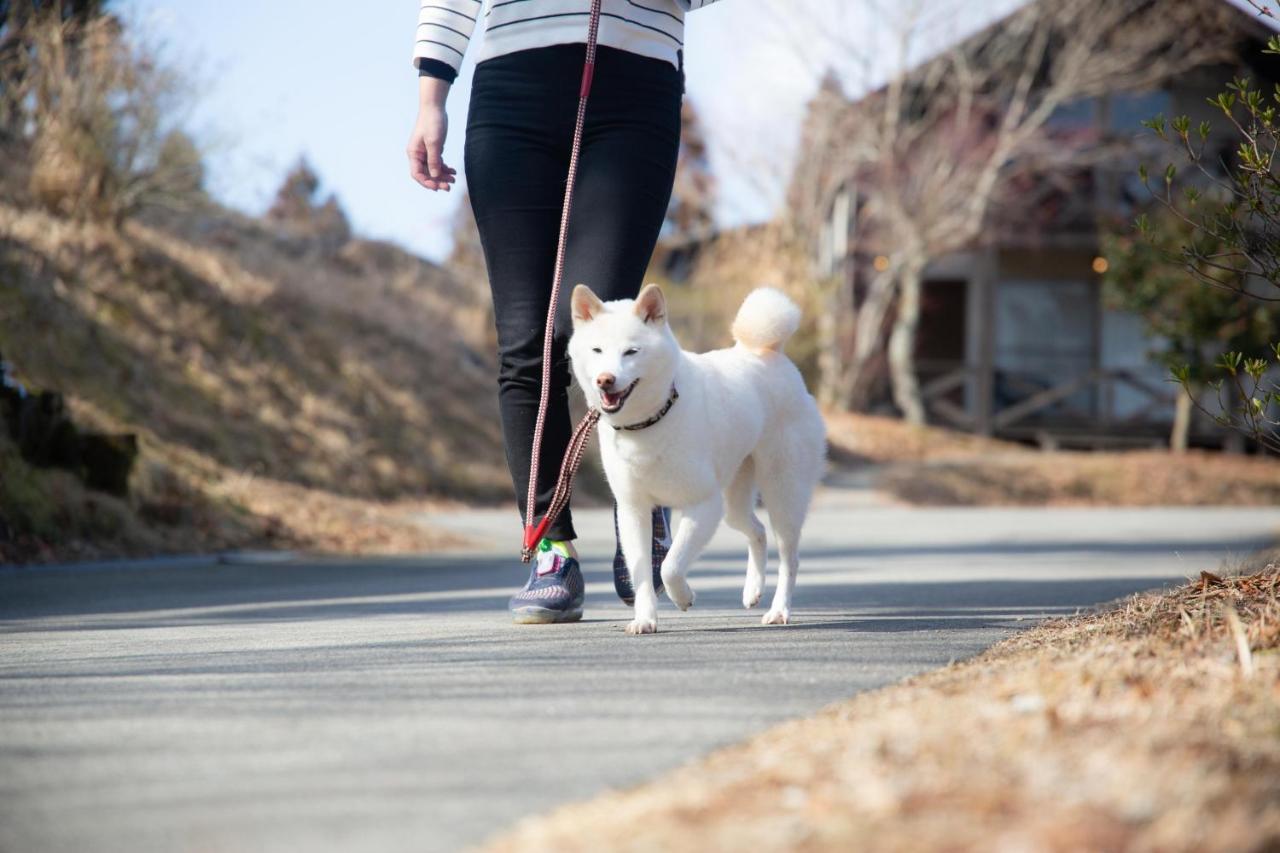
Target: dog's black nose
[(605, 381)]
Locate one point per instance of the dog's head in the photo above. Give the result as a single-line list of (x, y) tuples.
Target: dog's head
[(623, 352)]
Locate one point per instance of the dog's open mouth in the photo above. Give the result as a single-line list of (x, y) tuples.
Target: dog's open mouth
[(611, 401)]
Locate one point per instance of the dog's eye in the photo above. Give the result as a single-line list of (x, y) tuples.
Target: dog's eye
[(596, 349), (631, 351)]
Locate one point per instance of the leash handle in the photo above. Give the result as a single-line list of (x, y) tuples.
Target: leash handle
[(577, 444)]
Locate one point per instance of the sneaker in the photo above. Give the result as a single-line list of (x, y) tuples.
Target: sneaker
[(554, 593), (661, 544)]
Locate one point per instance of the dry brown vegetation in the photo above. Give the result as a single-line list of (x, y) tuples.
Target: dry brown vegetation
[(933, 466), (288, 384), (1152, 725), (273, 386)]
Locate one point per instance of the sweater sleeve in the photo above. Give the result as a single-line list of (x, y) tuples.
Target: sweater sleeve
[(691, 5), (444, 30)]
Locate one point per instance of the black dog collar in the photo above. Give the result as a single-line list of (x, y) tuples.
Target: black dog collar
[(650, 421)]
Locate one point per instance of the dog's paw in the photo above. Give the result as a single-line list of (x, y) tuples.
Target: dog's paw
[(751, 592), (776, 617), (642, 626), (680, 593)]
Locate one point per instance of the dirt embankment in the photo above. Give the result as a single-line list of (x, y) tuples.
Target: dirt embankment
[(282, 393)]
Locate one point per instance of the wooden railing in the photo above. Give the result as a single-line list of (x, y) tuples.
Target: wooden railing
[(1098, 413)]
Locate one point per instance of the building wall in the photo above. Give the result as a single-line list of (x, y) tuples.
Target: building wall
[(1051, 322)]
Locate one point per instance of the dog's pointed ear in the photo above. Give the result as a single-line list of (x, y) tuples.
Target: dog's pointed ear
[(585, 304), (651, 305)]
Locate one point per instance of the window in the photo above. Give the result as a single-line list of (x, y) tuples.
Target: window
[(1076, 115), (1126, 111)]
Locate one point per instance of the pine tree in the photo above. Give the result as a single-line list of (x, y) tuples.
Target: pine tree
[(298, 208)]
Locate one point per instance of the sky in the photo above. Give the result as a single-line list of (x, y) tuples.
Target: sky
[(274, 80)]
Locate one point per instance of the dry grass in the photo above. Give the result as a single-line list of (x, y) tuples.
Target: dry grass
[(939, 467), (871, 438), (342, 375), (50, 516), (281, 395), (1154, 725)]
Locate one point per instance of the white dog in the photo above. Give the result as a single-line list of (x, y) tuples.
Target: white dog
[(700, 433)]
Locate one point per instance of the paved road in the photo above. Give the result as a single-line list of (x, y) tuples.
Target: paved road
[(389, 704)]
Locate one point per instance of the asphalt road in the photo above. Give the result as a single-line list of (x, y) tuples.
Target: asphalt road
[(389, 704)]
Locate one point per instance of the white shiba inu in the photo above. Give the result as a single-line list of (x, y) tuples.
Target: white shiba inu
[(700, 433)]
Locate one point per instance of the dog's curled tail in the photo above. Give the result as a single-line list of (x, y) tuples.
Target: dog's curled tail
[(766, 320)]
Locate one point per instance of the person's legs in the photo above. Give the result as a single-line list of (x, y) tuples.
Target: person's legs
[(517, 155), (625, 175), (519, 137)]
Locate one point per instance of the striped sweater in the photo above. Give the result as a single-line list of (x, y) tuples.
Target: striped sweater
[(648, 27)]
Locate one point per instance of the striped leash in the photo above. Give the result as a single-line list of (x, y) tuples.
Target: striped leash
[(533, 533)]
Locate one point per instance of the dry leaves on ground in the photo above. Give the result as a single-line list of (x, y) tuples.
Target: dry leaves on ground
[(937, 467), (1150, 726)]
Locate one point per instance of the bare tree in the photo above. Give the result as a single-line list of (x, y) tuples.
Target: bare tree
[(930, 152), (691, 214), (92, 116)]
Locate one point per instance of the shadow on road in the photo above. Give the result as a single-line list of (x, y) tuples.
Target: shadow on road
[(55, 598)]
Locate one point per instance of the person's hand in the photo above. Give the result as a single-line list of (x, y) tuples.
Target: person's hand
[(426, 143)]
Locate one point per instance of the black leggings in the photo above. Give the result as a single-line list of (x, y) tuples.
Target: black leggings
[(519, 137)]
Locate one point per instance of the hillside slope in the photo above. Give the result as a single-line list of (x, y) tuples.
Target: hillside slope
[(256, 366)]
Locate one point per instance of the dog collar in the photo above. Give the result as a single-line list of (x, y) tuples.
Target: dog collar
[(653, 419)]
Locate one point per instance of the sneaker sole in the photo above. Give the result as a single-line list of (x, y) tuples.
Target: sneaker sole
[(543, 616)]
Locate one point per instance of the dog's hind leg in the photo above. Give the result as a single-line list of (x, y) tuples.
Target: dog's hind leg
[(787, 499), (697, 525), (788, 565), (740, 514)]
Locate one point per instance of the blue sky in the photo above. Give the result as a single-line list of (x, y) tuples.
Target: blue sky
[(276, 79)]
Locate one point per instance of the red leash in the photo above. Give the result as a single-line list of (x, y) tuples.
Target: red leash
[(577, 444)]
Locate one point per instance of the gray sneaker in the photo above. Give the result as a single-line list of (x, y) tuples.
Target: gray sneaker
[(554, 593), (661, 545)]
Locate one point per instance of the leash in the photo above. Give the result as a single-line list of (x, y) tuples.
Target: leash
[(533, 533)]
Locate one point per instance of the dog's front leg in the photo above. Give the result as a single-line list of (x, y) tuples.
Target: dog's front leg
[(635, 532), (697, 525)]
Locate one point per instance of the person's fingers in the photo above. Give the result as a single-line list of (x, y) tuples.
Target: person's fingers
[(418, 173), (424, 180), (427, 168), (417, 164), (435, 166)]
